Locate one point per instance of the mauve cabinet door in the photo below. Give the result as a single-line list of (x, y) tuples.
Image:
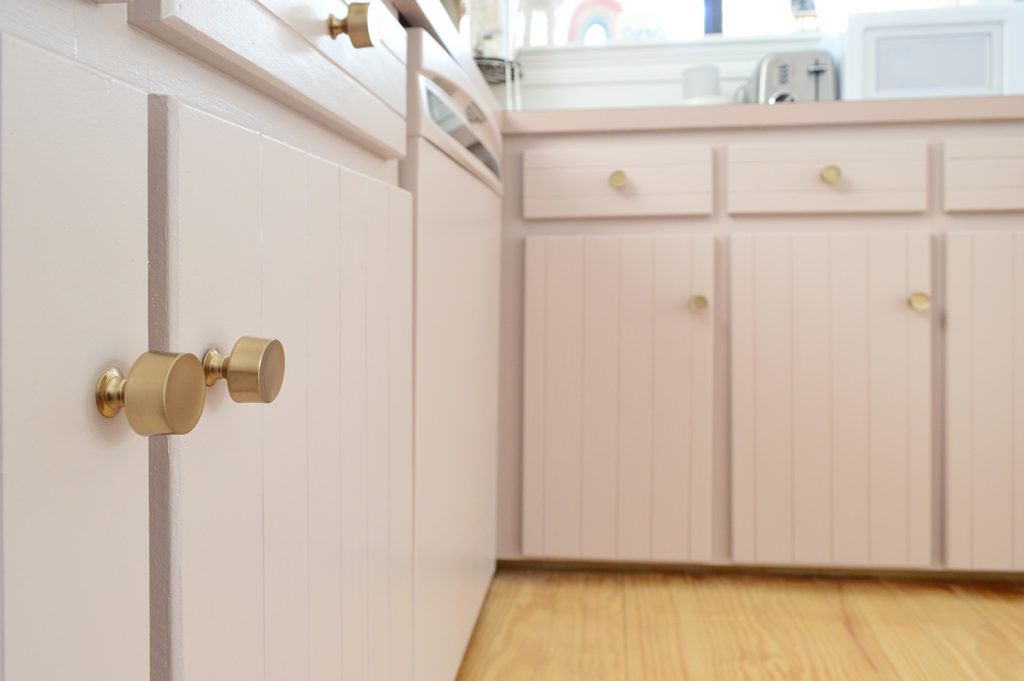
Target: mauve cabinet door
[(831, 400), (283, 532), (75, 516), (619, 388)]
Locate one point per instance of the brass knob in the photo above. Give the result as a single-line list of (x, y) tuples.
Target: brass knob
[(919, 302), (254, 370), (698, 303), (363, 24), (617, 179), (163, 394), (831, 174)]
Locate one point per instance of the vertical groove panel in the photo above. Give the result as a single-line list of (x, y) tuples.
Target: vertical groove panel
[(672, 401), (773, 396), (324, 396), (285, 439), (534, 398), (378, 480), (702, 392), (888, 399), (400, 407), (1018, 399), (600, 398), (850, 437), (564, 389), (812, 418), (635, 398), (744, 403), (992, 464), (919, 407), (355, 207), (959, 398)]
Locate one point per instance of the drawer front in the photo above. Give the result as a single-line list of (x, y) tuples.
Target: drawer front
[(282, 48), (579, 183), (864, 177), (984, 175)]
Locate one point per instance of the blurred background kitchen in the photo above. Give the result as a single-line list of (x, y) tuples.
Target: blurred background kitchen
[(575, 54)]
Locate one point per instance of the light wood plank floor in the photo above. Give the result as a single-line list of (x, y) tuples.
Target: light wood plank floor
[(589, 626)]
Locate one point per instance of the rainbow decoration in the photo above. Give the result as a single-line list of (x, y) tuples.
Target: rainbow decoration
[(604, 13)]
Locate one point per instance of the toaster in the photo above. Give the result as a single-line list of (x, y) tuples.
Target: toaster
[(795, 77)]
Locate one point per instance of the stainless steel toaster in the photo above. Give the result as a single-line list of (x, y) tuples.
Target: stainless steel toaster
[(795, 77)]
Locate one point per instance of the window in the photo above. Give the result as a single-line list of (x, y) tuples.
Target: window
[(599, 22)]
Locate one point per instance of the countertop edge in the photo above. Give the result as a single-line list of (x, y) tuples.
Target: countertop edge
[(817, 114)]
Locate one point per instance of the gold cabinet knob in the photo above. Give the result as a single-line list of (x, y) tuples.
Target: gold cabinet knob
[(831, 174), (254, 370), (617, 179), (163, 394), (919, 302), (698, 303), (363, 24)]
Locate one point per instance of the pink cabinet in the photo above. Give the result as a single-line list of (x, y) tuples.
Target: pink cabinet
[(985, 401), (618, 402), (831, 399)]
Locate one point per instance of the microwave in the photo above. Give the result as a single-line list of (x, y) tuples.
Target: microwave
[(956, 51)]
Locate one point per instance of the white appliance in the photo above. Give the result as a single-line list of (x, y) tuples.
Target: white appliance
[(958, 51), (453, 171)]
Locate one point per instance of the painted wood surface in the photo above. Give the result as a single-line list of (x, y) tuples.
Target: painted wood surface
[(985, 401), (287, 546), (877, 177), (619, 388), (259, 45), (74, 500), (984, 174), (563, 626), (456, 433), (831, 400), (574, 183)]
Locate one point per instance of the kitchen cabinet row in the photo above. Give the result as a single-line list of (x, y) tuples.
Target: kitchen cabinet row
[(773, 178), (874, 396)]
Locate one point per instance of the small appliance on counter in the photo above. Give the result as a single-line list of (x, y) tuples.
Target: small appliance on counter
[(785, 77), (946, 52)]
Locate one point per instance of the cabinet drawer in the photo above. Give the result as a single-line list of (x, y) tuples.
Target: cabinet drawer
[(578, 183), (869, 177), (984, 175), (282, 48)]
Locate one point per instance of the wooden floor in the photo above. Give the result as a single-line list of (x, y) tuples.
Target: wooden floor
[(569, 626)]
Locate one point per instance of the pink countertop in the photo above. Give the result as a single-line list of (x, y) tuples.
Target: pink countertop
[(879, 112)]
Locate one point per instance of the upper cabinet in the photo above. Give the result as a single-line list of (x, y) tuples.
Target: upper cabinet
[(284, 49), (832, 399), (985, 401), (828, 177), (619, 396)]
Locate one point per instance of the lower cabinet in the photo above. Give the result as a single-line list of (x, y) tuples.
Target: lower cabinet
[(985, 401), (832, 399), (618, 398), (282, 533)]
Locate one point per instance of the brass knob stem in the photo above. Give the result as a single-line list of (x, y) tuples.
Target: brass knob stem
[(110, 393), (163, 394), (254, 371), (336, 26)]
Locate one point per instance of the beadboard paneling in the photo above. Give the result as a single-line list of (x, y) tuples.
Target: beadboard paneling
[(985, 401), (831, 390), (618, 398)]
